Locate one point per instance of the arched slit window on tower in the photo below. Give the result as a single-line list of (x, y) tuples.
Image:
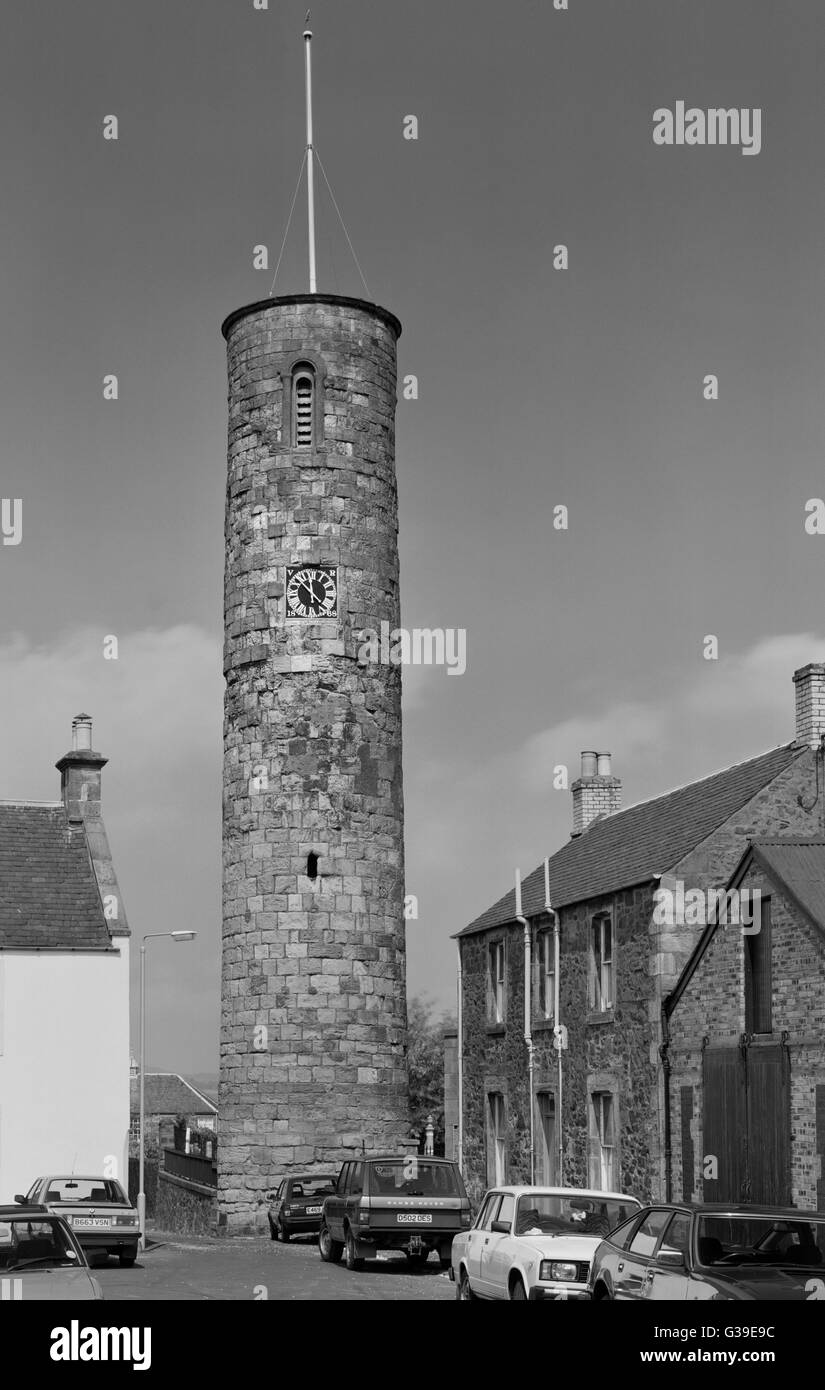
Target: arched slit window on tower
[(312, 867), (303, 406)]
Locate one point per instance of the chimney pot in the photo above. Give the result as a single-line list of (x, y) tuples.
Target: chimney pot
[(81, 732), (603, 764), (589, 761)]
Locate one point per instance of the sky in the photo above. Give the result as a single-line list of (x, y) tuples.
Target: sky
[(538, 388)]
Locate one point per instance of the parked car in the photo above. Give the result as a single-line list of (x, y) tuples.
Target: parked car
[(535, 1243), (296, 1205), (394, 1203), (40, 1258), (97, 1209), (674, 1251)]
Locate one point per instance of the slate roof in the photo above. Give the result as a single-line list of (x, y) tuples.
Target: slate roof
[(650, 838), (49, 897), (798, 866), (166, 1093)]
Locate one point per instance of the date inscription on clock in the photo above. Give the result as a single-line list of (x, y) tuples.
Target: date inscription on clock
[(311, 591)]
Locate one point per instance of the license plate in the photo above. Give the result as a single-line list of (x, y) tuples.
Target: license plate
[(408, 1218), (92, 1220), (314, 1211)]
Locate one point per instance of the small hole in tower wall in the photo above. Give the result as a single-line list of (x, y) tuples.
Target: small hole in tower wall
[(312, 867)]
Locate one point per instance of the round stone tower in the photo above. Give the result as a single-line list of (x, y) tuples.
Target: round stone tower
[(313, 1020)]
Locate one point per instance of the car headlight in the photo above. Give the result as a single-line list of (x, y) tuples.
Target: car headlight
[(561, 1271)]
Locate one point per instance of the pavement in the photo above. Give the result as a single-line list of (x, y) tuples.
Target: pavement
[(180, 1268)]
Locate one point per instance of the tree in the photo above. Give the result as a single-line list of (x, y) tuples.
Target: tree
[(425, 1059)]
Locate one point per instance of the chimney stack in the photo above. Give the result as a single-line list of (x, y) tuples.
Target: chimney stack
[(810, 703), (80, 773), (596, 793)]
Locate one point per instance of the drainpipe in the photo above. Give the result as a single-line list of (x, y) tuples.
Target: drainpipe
[(460, 1059), (528, 1031), (664, 1053), (556, 1025)]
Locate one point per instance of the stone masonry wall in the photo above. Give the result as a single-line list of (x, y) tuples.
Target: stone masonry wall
[(713, 1006), (313, 1026), (619, 1051), (607, 1051)]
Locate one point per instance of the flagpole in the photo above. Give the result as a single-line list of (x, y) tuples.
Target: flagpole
[(310, 171)]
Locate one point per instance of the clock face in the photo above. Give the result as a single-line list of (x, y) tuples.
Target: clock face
[(311, 591)]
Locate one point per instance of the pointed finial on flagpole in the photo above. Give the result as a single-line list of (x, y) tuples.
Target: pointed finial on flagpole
[(310, 168)]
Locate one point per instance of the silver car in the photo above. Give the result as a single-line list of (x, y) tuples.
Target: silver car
[(97, 1209)]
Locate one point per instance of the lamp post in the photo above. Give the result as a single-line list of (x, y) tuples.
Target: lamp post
[(176, 936)]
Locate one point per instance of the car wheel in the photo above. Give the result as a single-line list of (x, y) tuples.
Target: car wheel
[(127, 1258), (445, 1261), (463, 1291), (350, 1255), (283, 1233), (330, 1250), (518, 1291)]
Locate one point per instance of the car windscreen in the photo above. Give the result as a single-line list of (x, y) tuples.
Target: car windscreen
[(42, 1244), (93, 1191), (312, 1187), (760, 1240), (540, 1213), (413, 1177)]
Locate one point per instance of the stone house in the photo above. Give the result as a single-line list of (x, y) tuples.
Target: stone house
[(168, 1098), (591, 1110), (64, 983), (745, 1047)]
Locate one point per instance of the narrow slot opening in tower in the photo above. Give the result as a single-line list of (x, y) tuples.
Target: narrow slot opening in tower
[(312, 867)]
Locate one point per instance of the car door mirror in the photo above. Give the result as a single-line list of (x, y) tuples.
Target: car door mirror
[(501, 1228), (18, 1197), (671, 1259)]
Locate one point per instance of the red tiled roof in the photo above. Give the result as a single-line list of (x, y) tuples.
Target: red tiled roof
[(633, 845), (49, 898)]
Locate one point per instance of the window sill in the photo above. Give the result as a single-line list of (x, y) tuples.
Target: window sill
[(496, 1030), (601, 1016), (542, 1025)]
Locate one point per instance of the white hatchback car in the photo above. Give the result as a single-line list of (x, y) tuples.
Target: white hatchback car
[(535, 1242)]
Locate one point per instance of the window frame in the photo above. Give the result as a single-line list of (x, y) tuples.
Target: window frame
[(497, 1138), (598, 1111), (305, 363), (489, 1207), (497, 1010), (657, 1237), (303, 371), (545, 975), (601, 968), (663, 1238), (544, 1093), (759, 1003)]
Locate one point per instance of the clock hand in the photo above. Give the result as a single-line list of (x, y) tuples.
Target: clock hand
[(311, 588)]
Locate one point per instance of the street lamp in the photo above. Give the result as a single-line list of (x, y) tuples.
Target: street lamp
[(176, 936)]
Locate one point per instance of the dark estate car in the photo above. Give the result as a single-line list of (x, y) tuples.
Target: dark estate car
[(394, 1203), (677, 1252), (296, 1205)]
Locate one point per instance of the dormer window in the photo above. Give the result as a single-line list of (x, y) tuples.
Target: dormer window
[(303, 405)]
